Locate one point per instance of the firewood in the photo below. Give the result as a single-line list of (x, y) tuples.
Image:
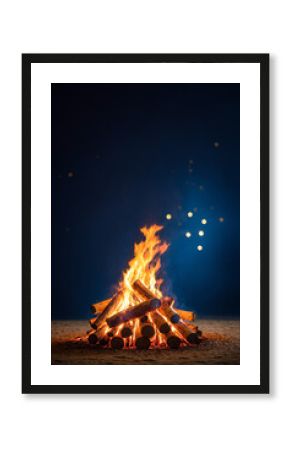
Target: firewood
[(104, 341), (188, 334), (100, 306), (169, 313), (145, 293), (144, 319), (117, 343), (168, 301), (111, 306), (160, 322), (93, 322), (164, 328), (147, 330), (102, 335), (126, 331), (173, 341), (93, 339), (141, 342), (186, 315), (133, 312)]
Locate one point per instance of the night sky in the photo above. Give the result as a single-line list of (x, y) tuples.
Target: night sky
[(125, 156)]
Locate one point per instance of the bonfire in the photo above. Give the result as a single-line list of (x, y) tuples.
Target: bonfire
[(139, 316)]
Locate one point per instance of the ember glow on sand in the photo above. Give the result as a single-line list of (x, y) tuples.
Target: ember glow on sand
[(139, 315)]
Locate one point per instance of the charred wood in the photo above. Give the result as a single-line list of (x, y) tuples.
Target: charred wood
[(133, 312)]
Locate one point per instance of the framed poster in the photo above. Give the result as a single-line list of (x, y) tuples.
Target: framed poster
[(145, 223)]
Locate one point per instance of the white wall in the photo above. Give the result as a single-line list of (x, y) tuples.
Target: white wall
[(159, 422)]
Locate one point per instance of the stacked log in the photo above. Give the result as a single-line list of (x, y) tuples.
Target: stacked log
[(189, 335), (117, 343), (93, 339), (100, 306), (142, 290), (133, 312), (126, 331), (141, 342), (169, 313), (141, 325), (173, 341), (147, 330), (160, 322), (109, 309), (189, 316)]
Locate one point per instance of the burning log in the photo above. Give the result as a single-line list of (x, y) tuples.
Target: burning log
[(194, 328), (186, 315), (173, 341), (93, 339), (101, 333), (97, 308), (160, 322), (144, 319), (188, 334), (100, 306), (133, 312), (147, 330), (143, 290), (126, 331), (93, 322), (169, 313), (111, 306), (147, 294), (141, 342), (168, 301), (104, 341), (117, 343)]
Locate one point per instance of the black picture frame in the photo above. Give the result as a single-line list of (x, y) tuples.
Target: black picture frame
[(27, 60)]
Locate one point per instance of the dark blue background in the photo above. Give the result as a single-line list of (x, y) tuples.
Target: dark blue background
[(124, 155)]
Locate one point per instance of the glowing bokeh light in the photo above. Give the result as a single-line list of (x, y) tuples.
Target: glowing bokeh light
[(199, 248), (188, 234), (189, 214), (201, 233), (168, 216), (221, 219), (203, 221)]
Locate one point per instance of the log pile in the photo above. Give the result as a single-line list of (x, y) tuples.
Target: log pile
[(148, 322)]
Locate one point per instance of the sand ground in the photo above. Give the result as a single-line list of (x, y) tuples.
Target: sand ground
[(221, 346)]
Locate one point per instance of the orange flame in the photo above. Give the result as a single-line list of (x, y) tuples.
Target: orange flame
[(144, 266)]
